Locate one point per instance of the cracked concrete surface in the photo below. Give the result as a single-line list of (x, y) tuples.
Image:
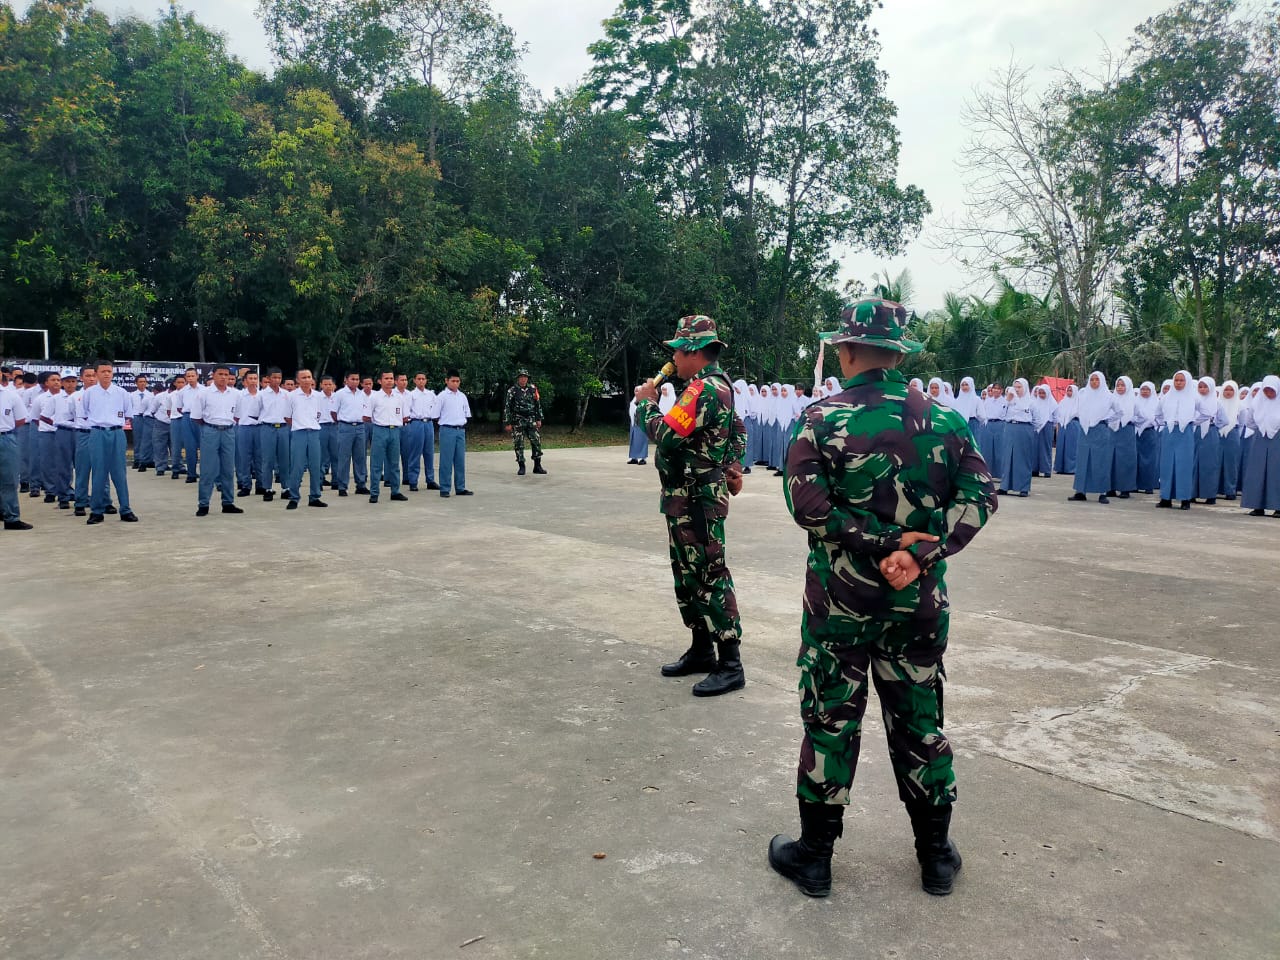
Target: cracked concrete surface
[(385, 731)]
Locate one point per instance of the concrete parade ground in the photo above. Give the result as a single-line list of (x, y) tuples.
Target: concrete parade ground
[(406, 730)]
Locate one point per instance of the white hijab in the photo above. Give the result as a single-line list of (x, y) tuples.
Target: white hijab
[(1126, 402), (741, 399), (1043, 408), (753, 400), (1068, 408), (1179, 406), (941, 396), (1095, 402), (967, 402), (1230, 407), (1266, 412), (666, 398), (1206, 406), (631, 410), (915, 383), (948, 392), (1145, 408)]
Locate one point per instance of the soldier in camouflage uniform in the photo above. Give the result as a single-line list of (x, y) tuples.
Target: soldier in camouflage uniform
[(887, 484), (700, 442), (522, 414)]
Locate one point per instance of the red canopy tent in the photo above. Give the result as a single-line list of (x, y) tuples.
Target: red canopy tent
[(1057, 385)]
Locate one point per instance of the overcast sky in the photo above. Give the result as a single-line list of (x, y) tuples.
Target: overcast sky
[(935, 52)]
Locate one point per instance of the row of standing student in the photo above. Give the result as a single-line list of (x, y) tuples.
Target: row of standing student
[(232, 437), (1191, 439)]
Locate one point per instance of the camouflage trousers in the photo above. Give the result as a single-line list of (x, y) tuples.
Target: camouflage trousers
[(520, 430), (704, 586), (905, 663)]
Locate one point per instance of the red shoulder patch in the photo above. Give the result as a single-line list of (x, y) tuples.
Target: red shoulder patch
[(683, 417)]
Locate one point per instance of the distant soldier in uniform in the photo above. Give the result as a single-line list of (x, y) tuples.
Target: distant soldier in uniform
[(522, 414), (888, 484), (700, 442)]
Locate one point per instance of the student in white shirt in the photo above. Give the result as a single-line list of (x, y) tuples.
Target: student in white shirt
[(64, 440), (214, 413), (454, 411), (388, 414), (419, 444), (46, 455), (350, 412), (328, 427), (274, 434), (248, 445), (308, 408), (13, 418), (140, 418), (104, 406)]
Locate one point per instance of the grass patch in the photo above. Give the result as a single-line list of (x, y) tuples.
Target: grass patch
[(555, 436)]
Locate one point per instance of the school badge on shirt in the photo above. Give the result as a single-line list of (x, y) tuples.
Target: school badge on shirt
[(683, 417)]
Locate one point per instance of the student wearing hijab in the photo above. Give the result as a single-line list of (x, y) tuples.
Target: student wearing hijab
[(948, 394), (742, 406), (666, 398), (994, 406), (752, 422), (1230, 432), (935, 390), (1094, 457), (1247, 431), (1068, 432), (1261, 490), (1124, 465), (1209, 421), (1145, 413), (970, 406), (1044, 408), (1178, 442), (1019, 450), (915, 383), (761, 408), (638, 451)]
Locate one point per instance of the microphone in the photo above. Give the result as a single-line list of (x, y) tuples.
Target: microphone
[(663, 374)]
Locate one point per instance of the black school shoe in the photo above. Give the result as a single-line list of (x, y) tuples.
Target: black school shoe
[(400, 497), (110, 510), (231, 508), (432, 485), (129, 517), (317, 502), (466, 493), (291, 505), (17, 525)]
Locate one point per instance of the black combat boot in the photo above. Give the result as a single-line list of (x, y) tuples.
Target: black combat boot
[(537, 465), (807, 861), (520, 472), (699, 658), (727, 676), (938, 856)]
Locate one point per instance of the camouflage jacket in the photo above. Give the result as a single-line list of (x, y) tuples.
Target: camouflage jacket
[(696, 439), (522, 404), (867, 465)]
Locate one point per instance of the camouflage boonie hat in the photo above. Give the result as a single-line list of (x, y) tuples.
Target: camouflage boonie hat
[(522, 372), (694, 333), (877, 323)]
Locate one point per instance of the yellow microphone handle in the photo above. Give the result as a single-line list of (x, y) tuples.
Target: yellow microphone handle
[(663, 374)]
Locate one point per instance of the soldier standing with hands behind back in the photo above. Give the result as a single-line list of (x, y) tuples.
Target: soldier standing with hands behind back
[(522, 414), (700, 444), (887, 484)]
